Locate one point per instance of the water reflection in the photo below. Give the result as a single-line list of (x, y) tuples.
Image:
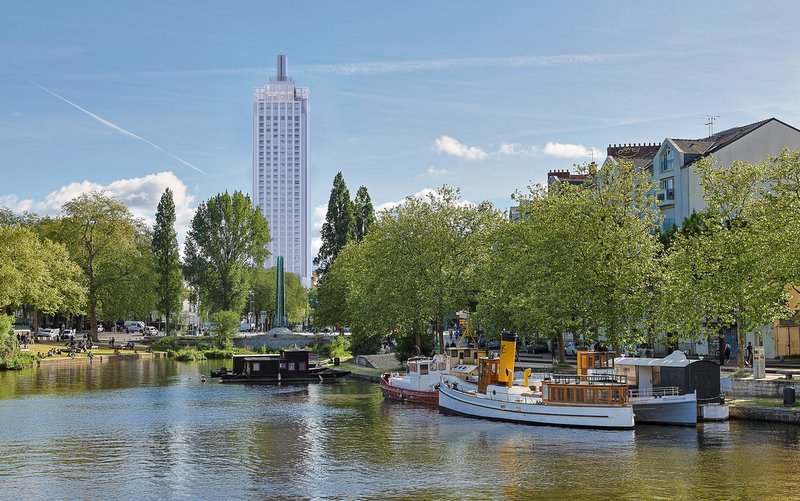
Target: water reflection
[(151, 429)]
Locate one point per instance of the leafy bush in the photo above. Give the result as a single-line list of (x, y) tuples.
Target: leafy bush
[(218, 353), (339, 347), (227, 325), (365, 344), (406, 346), (186, 355), (17, 361), (166, 344)]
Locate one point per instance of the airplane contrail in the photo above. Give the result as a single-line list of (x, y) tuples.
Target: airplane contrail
[(119, 129)]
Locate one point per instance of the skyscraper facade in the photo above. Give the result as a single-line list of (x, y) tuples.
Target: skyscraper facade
[(280, 169)]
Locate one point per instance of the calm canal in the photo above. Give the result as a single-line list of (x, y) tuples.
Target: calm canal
[(152, 430)]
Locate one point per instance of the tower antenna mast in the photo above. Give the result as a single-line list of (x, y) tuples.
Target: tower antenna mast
[(710, 119)]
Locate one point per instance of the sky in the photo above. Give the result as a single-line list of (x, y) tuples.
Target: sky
[(134, 97)]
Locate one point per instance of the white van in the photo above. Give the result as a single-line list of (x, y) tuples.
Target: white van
[(134, 326)]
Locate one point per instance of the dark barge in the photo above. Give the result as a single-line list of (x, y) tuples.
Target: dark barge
[(287, 367)]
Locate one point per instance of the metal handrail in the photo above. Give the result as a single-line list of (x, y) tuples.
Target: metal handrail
[(662, 391)]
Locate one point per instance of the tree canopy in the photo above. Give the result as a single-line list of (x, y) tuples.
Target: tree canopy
[(338, 228), (169, 282), (227, 236)]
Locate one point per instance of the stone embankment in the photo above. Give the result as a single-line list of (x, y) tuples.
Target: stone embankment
[(772, 414), (83, 359)]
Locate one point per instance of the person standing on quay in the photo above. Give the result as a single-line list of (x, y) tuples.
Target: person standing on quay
[(749, 354)]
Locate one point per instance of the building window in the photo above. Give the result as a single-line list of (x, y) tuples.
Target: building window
[(667, 160), (666, 189)]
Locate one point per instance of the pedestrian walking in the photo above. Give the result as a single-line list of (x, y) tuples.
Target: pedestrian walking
[(727, 352), (749, 353)]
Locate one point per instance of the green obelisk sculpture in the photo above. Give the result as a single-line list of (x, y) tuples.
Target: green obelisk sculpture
[(279, 318), (280, 322)]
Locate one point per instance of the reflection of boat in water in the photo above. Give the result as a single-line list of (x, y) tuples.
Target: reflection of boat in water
[(668, 390), (587, 401), (286, 367)]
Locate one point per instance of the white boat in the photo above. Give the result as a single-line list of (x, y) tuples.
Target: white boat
[(657, 395), (418, 384), (575, 401)]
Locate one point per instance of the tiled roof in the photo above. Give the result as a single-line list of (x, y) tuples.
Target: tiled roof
[(717, 141)]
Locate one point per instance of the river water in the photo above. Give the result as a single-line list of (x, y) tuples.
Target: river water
[(152, 430)]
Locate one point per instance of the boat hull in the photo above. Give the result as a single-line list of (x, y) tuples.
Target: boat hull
[(675, 409), (319, 377), (466, 404), (407, 395)]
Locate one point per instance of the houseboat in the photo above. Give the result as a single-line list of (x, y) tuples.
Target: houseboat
[(287, 367), (586, 401), (673, 389)]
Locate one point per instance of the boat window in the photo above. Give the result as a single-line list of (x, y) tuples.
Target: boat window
[(283, 366), (460, 354), (291, 366), (301, 366), (423, 368), (442, 366), (256, 366), (412, 367)]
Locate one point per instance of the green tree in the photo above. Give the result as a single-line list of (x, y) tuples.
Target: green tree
[(580, 261), (264, 283), (112, 249), (416, 265), (169, 284), (364, 214), (729, 274), (226, 237), (337, 230), (38, 273)]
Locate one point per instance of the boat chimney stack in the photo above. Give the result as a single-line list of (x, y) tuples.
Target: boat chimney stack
[(508, 352)]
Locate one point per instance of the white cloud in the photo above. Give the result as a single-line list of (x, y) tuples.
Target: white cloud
[(513, 149), (140, 194), (385, 67), (452, 146), (433, 171), (320, 211), (316, 243), (566, 150)]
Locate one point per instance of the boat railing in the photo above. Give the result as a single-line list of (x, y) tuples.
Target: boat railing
[(661, 391), (588, 378)]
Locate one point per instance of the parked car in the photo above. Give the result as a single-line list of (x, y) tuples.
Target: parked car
[(47, 332), (537, 346), (67, 334), (150, 331), (571, 350), (493, 344)]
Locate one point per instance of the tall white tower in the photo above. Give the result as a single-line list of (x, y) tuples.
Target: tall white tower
[(280, 169)]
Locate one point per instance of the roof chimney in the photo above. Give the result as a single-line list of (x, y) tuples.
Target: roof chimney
[(281, 67)]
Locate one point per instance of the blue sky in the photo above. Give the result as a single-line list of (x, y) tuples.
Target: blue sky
[(405, 96)]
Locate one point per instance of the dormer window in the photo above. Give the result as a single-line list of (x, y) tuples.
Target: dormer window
[(667, 159)]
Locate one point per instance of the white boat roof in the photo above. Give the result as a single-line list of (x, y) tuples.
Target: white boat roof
[(674, 359), (464, 368)]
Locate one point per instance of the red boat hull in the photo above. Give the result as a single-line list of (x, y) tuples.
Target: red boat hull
[(405, 395)]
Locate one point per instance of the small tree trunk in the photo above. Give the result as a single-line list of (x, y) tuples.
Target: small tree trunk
[(560, 341), (167, 328), (740, 339)]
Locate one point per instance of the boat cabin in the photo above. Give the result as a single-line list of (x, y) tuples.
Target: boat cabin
[(488, 372), (294, 362), (673, 374), (422, 366), (464, 356), (596, 363)]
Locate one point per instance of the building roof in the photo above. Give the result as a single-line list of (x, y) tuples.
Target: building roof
[(715, 142), (674, 359)]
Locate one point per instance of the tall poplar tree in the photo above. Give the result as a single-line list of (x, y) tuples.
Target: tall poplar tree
[(364, 214), (169, 286), (337, 230), (227, 236)]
